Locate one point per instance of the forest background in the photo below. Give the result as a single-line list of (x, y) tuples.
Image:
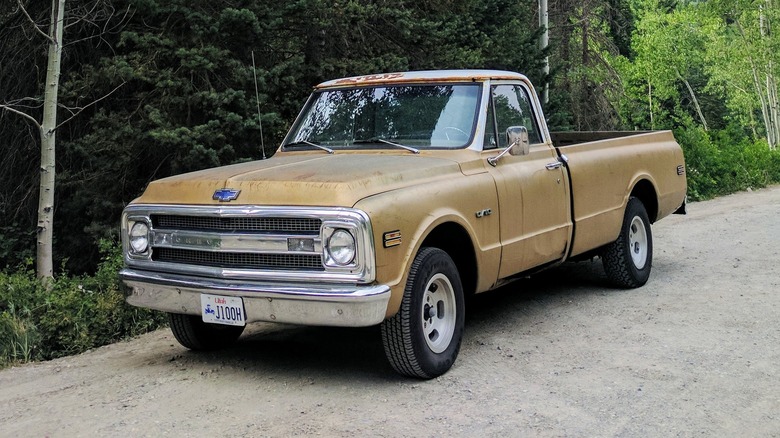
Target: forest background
[(161, 87)]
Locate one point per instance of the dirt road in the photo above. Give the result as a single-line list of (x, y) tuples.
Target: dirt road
[(694, 352)]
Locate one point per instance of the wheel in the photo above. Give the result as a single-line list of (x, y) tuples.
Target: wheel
[(193, 333), (627, 261), (423, 338)]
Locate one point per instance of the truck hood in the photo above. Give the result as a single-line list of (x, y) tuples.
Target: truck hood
[(298, 179)]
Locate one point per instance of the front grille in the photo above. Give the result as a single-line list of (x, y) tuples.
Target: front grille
[(238, 224), (250, 242), (239, 260)]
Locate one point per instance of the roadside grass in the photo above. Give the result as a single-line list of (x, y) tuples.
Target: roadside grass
[(77, 314)]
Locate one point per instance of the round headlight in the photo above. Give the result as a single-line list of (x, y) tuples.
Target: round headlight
[(139, 238), (341, 247)]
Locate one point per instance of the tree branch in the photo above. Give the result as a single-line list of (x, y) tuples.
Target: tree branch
[(19, 103), (23, 114), (105, 29), (84, 15), (89, 105), (693, 96), (35, 25)]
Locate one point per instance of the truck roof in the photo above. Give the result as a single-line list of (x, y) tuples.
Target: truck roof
[(421, 76)]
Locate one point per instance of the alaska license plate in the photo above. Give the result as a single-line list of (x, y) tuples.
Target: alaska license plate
[(217, 309)]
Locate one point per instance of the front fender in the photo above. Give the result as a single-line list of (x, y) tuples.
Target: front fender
[(414, 212)]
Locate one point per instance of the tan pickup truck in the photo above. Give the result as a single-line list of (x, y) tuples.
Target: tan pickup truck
[(392, 197)]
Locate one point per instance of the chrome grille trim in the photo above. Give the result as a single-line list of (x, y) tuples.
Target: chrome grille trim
[(260, 243), (237, 224), (239, 260)]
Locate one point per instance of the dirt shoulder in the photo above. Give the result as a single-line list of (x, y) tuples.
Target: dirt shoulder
[(694, 352)]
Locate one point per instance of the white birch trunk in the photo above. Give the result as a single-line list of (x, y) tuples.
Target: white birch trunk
[(773, 119), (774, 111), (44, 263), (765, 113), (695, 100), (762, 101), (650, 102), (544, 41)]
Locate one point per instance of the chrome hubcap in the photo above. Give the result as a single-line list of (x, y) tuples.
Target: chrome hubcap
[(637, 242), (438, 313)]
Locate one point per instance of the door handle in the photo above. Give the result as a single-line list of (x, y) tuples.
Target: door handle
[(553, 166)]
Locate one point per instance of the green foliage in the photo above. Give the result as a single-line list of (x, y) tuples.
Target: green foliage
[(726, 163), (18, 337), (691, 72), (79, 313), (16, 242), (743, 53)]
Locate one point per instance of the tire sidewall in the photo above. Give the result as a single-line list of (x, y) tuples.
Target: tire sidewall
[(433, 261), (194, 334), (635, 209)]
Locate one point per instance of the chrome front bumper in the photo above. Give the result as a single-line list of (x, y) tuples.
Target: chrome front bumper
[(294, 303)]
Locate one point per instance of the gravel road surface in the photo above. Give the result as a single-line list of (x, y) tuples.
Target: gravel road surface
[(695, 352)]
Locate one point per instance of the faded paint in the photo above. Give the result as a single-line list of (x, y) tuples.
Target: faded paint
[(539, 216), (304, 178)]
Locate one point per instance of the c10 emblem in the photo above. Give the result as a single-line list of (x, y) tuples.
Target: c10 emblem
[(483, 213)]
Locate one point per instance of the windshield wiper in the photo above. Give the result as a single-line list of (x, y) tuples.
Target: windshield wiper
[(382, 140), (308, 143)]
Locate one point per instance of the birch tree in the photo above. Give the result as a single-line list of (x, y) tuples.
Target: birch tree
[(744, 54), (669, 49), (48, 124), (47, 128)]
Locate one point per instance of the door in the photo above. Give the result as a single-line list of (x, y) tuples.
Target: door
[(533, 191)]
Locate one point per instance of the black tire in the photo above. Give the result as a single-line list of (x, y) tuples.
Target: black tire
[(193, 333), (628, 260), (423, 339)]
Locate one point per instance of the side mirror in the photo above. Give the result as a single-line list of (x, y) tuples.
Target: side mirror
[(517, 139)]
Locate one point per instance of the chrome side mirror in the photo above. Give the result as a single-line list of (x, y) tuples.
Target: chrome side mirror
[(517, 139)]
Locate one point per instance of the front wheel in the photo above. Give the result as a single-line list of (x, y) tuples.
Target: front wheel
[(423, 339), (193, 333), (627, 261)]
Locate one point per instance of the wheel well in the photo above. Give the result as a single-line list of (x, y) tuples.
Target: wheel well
[(455, 241), (645, 191)]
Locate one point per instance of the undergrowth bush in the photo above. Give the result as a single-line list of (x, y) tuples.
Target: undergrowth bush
[(723, 162), (78, 313)]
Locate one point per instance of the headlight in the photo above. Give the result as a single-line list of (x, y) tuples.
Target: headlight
[(341, 247), (139, 238)]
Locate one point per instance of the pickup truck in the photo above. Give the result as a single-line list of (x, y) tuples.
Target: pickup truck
[(392, 198)]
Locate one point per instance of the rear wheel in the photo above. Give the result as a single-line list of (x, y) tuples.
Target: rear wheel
[(627, 261), (423, 338), (193, 333)]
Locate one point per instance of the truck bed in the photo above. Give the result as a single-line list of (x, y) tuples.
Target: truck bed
[(601, 163), (567, 138)]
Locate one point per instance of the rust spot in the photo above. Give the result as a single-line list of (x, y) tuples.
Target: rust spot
[(369, 78)]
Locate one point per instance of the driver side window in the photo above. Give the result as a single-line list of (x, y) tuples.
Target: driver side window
[(511, 107)]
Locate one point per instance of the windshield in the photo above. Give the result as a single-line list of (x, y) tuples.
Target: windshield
[(420, 116)]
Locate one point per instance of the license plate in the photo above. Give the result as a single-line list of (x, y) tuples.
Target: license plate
[(222, 310)]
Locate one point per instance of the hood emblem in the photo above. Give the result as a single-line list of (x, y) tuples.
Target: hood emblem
[(225, 195)]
